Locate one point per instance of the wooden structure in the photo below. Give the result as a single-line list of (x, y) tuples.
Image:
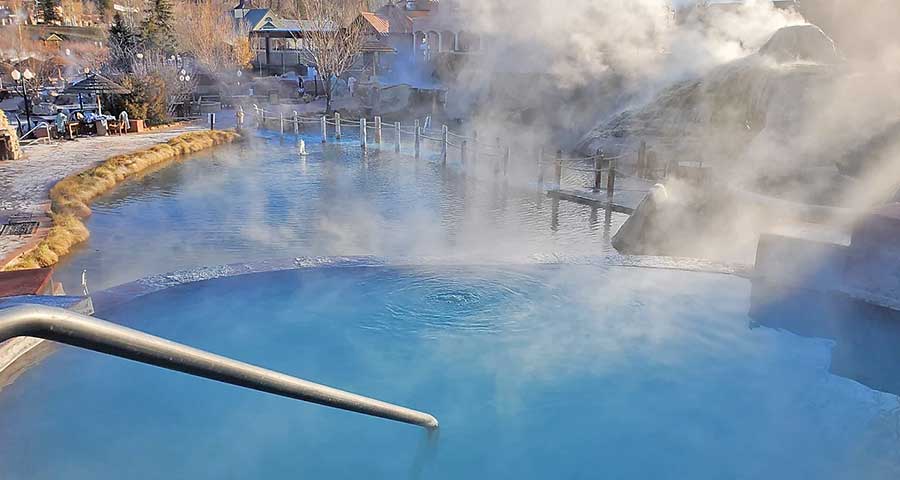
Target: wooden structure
[(38, 281)]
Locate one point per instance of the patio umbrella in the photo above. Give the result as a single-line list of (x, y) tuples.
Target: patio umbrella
[(95, 84)]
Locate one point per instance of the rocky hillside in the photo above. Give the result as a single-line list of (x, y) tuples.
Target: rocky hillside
[(784, 117)]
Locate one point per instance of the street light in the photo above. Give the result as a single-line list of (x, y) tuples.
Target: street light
[(22, 79), (185, 77)]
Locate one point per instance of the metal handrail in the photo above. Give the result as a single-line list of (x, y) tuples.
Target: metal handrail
[(71, 328), (25, 142)]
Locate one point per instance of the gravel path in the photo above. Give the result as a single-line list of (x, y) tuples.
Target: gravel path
[(25, 183)]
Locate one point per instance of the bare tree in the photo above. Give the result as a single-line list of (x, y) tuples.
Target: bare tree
[(332, 37), (206, 33)]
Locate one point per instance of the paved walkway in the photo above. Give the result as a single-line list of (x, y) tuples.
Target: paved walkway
[(25, 183)]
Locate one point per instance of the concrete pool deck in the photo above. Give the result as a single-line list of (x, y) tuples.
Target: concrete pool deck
[(25, 183)]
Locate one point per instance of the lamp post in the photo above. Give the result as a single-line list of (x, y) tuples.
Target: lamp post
[(22, 79), (184, 78)]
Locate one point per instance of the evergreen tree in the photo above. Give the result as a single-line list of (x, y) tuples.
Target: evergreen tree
[(48, 10), (123, 41), (103, 6), (157, 29)]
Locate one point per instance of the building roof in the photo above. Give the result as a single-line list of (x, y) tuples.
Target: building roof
[(96, 83), (376, 46), (397, 18), (257, 18), (53, 37), (380, 25)]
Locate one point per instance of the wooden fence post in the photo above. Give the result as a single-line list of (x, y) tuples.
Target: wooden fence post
[(558, 168), (540, 166), (378, 130), (399, 139), (418, 137), (598, 172), (611, 179), (324, 129), (642, 160), (444, 142), (362, 133), (506, 161), (337, 125)]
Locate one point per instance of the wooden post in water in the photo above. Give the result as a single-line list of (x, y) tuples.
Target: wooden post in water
[(506, 161), (418, 139), (399, 139), (212, 121), (296, 124), (281, 123), (444, 142), (611, 179), (362, 133), (558, 168), (462, 152), (540, 166), (258, 123), (378, 130), (598, 172), (337, 125), (474, 146), (324, 129), (642, 160)]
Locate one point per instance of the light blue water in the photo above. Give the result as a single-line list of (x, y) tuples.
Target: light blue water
[(262, 201), (534, 372)]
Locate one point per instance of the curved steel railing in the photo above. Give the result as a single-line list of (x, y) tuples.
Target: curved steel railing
[(71, 328)]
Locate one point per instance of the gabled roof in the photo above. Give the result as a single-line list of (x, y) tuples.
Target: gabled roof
[(380, 25), (259, 18), (397, 18), (53, 37)]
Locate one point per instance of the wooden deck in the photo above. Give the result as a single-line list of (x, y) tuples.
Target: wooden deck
[(627, 195)]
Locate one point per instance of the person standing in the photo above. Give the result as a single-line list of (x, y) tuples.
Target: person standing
[(61, 122)]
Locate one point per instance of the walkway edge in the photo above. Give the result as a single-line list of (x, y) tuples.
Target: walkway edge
[(70, 196)]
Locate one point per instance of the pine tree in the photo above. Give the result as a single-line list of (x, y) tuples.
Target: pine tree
[(123, 41), (157, 30), (103, 6), (48, 10)]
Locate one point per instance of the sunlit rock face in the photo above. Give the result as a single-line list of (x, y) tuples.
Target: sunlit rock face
[(717, 116), (801, 43), (780, 121)]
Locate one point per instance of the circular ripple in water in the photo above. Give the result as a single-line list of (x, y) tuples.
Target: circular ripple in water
[(488, 301)]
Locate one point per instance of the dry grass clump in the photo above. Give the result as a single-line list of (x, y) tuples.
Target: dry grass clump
[(70, 196)]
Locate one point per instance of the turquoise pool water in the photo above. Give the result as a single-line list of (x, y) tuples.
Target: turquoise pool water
[(250, 202), (542, 371)]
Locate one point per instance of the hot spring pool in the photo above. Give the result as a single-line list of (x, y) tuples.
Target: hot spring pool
[(540, 371)]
